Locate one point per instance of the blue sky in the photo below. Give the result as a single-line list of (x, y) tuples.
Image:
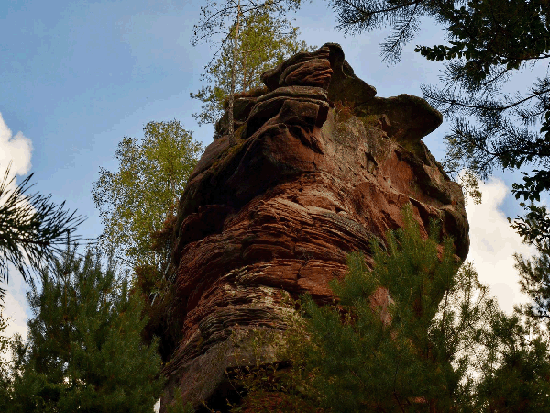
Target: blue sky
[(78, 76)]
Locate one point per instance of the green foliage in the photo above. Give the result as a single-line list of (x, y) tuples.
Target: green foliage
[(535, 281), (4, 341), (381, 354), (5, 344), (84, 351), (135, 201), (263, 42), (30, 229), (516, 371), (415, 334), (491, 33)]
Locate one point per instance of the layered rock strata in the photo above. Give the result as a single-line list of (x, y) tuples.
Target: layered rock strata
[(322, 166)]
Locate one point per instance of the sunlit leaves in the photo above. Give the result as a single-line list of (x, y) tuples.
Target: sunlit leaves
[(264, 41), (135, 200)]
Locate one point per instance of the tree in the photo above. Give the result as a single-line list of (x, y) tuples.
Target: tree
[(489, 40), (421, 349), (5, 343), (134, 201), (515, 375), (213, 20), (84, 351), (264, 42), (30, 229), (535, 281), (361, 359)]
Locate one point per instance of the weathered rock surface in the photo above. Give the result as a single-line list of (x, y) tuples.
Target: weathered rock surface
[(308, 182)]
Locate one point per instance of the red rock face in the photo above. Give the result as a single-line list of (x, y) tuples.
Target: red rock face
[(308, 182)]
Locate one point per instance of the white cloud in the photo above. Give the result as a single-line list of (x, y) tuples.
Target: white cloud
[(492, 243), (17, 149)]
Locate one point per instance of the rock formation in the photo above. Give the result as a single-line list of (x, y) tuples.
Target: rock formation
[(321, 167)]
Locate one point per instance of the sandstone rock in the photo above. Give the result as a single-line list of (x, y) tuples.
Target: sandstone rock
[(309, 181)]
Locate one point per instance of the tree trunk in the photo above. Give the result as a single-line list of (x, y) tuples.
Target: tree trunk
[(232, 140), (245, 71)]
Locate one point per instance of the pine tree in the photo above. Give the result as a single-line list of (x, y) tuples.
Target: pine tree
[(84, 351), (30, 230), (535, 281), (362, 359), (6, 343), (415, 334), (515, 373)]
